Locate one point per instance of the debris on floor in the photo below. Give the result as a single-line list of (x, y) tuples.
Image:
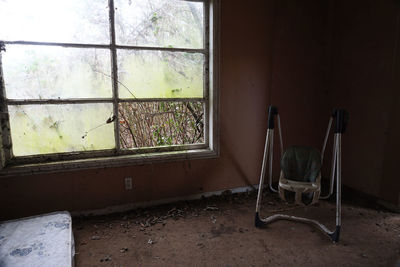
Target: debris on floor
[(95, 237), (123, 250), (203, 232), (211, 208), (106, 258)]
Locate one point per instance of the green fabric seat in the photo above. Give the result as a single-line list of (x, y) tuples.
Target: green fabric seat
[(301, 164)]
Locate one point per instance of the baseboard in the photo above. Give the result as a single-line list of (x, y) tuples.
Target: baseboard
[(354, 195), (348, 193), (388, 205), (131, 206)]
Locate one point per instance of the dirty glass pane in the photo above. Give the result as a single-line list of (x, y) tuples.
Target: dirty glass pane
[(160, 74), (161, 23), (152, 124), (44, 129), (55, 21), (35, 72)]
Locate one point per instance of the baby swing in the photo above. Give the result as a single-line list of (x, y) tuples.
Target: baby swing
[(300, 176)]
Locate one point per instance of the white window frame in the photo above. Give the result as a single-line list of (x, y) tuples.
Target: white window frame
[(117, 157)]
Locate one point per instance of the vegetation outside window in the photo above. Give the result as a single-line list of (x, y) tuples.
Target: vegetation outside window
[(113, 81)]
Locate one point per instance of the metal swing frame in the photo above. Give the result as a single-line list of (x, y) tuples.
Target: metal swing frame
[(340, 117)]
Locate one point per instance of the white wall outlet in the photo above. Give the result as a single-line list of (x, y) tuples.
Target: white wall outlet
[(128, 183)]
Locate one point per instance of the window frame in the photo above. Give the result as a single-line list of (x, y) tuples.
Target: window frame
[(117, 156)]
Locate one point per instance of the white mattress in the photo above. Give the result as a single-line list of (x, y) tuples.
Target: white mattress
[(44, 240)]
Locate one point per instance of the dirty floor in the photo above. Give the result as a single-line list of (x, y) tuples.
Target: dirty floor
[(219, 231)]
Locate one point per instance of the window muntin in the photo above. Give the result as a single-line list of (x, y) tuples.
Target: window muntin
[(187, 86)]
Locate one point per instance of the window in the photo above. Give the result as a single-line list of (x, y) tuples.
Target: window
[(107, 82)]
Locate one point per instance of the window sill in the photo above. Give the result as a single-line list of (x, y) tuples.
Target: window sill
[(107, 162)]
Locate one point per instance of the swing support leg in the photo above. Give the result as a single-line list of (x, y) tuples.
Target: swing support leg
[(268, 154), (334, 235), (338, 142), (258, 221), (336, 173)]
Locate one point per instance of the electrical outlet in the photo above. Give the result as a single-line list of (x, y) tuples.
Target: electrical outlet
[(128, 183)]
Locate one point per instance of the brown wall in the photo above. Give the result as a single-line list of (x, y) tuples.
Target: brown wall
[(299, 45), (299, 55), (365, 80)]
